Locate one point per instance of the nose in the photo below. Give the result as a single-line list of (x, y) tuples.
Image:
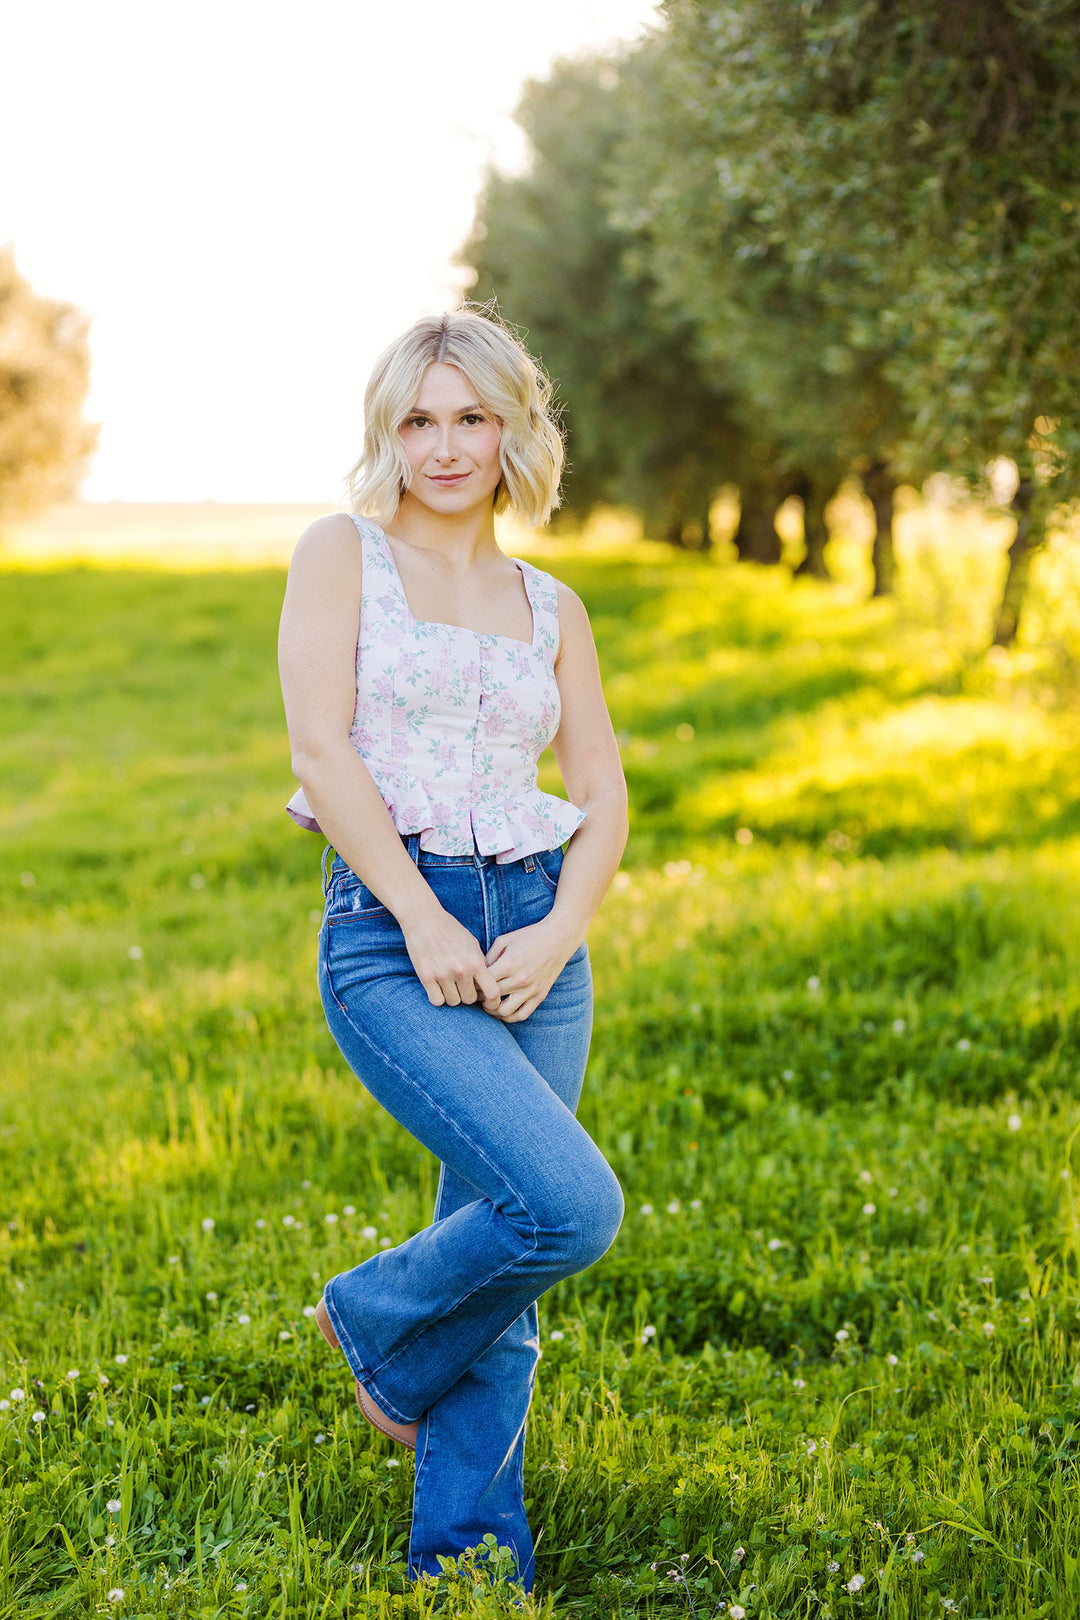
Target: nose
[(444, 448)]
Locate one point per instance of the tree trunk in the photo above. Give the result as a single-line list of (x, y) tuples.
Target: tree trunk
[(706, 524), (1030, 535), (756, 539), (674, 532), (814, 494), (881, 491)]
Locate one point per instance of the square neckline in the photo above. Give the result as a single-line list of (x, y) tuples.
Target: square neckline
[(440, 624)]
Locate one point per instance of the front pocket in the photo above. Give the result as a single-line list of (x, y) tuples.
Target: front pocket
[(549, 865), (351, 898)]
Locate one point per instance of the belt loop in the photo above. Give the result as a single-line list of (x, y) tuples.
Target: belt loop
[(529, 863), (412, 844)]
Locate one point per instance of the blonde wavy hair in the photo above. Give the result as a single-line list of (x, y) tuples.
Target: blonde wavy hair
[(508, 382)]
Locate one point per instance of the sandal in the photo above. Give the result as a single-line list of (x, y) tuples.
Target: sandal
[(403, 1433)]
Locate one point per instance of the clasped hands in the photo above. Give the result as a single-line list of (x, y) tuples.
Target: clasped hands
[(509, 982)]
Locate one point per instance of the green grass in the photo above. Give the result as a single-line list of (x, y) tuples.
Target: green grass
[(836, 1066)]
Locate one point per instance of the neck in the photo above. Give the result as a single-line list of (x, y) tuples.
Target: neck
[(462, 537)]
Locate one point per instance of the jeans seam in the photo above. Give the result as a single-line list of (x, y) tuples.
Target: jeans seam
[(455, 1127)]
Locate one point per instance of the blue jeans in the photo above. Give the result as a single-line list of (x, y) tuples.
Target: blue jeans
[(443, 1328)]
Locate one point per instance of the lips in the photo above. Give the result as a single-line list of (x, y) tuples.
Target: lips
[(453, 478)]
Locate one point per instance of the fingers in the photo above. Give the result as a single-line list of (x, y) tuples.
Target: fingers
[(463, 986)]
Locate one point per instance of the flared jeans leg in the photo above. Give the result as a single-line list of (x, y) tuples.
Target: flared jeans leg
[(470, 1447), (442, 1328)]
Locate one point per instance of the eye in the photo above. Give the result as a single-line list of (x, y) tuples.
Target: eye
[(472, 416), (415, 421)]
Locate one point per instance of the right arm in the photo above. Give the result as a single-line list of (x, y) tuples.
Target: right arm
[(320, 623)]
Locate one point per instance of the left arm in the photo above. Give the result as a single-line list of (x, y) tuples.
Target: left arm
[(528, 961)]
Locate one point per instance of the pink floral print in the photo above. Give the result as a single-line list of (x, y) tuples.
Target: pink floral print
[(451, 723)]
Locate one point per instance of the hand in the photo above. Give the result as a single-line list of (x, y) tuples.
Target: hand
[(526, 964), (449, 962)]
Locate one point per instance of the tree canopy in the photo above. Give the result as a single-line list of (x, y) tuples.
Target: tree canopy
[(44, 377)]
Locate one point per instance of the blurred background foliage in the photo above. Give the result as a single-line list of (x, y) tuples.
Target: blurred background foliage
[(778, 246)]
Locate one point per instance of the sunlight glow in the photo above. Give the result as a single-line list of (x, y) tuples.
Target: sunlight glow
[(250, 201)]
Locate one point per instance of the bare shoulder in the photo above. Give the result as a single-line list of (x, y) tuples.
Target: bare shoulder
[(575, 631), (328, 547), (573, 617), (331, 532)]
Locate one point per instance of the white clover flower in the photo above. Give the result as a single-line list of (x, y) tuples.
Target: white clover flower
[(114, 1504), (72, 1372), (288, 1220), (243, 1319), (110, 1541), (174, 1260), (319, 1438), (177, 1388), (776, 1243), (798, 1383), (737, 1612), (856, 1583), (695, 1203), (205, 1401), (899, 1025), (648, 1333), (305, 1185), (788, 1074), (392, 1462), (135, 952), (963, 1044), (813, 982), (557, 1333), (37, 1417), (241, 1586), (4, 1404), (212, 1297), (369, 1231), (893, 1361), (988, 1329), (869, 1209), (348, 1209), (841, 1335), (674, 1207), (208, 1223), (115, 1594), (330, 1219), (101, 1378), (646, 1209), (811, 1447), (284, 1334), (309, 1310), (18, 1394), (917, 1556), (1015, 1122), (385, 1243), (866, 1175), (259, 1224)]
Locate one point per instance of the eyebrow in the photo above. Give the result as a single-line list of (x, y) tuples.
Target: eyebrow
[(418, 410)]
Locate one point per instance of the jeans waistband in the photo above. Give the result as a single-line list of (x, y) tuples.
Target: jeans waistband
[(421, 857)]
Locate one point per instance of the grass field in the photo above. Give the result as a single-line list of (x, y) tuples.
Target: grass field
[(829, 1367)]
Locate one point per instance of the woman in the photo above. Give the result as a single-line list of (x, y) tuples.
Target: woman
[(424, 672)]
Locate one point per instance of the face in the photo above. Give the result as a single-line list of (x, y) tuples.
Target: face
[(452, 442)]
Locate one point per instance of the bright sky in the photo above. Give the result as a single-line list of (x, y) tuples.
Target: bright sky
[(251, 199)]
